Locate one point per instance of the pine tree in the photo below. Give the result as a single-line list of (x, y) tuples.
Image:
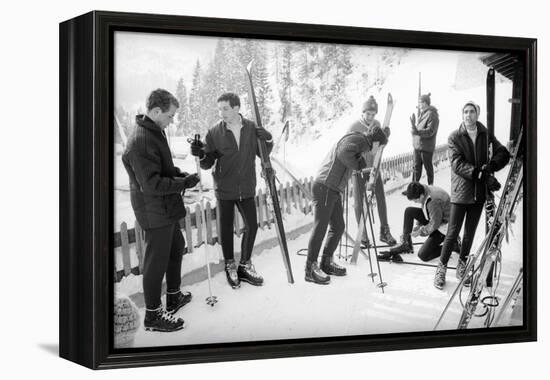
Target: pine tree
[(183, 127), (197, 125)]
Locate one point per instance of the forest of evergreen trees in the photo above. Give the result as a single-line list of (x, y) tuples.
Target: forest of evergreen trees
[(305, 83)]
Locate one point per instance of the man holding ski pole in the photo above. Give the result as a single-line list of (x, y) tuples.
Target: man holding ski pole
[(346, 155), (366, 124), (232, 146), (156, 187)]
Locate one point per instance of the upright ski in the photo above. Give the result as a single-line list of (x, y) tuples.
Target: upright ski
[(269, 177), (490, 198)]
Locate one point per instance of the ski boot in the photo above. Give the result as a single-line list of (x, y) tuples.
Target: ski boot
[(315, 274), (247, 273), (160, 320), (406, 245), (389, 256), (385, 235), (231, 274), (176, 300), (330, 267), (461, 272), (439, 279)]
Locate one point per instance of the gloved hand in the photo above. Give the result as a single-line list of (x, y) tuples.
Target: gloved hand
[(191, 180), (481, 174), (263, 134), (197, 148), (492, 183), (377, 134), (413, 121), (489, 167), (387, 131)]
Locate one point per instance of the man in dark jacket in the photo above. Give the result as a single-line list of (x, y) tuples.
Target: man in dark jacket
[(346, 155), (232, 145), (156, 187), (471, 178), (424, 133)]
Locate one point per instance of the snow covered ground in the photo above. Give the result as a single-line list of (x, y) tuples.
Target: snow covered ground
[(351, 305)]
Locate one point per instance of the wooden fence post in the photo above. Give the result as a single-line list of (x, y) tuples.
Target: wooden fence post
[(188, 234), (140, 245), (125, 247)]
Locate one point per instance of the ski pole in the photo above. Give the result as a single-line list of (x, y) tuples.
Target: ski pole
[(381, 284), (211, 300), (364, 226)]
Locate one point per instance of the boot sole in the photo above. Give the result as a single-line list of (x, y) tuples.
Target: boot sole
[(251, 283), (336, 274), (317, 282), (156, 329)]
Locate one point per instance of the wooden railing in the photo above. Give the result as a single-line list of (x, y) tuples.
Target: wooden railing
[(292, 200)]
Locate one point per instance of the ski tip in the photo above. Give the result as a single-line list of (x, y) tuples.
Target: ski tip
[(249, 66)]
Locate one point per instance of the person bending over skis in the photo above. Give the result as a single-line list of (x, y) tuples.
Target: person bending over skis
[(346, 155)]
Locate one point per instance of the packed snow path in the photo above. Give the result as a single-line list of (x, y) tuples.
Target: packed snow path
[(350, 305)]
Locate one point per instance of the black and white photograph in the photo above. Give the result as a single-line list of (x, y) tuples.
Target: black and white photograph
[(268, 190)]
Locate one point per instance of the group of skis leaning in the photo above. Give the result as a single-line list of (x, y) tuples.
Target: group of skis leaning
[(231, 147)]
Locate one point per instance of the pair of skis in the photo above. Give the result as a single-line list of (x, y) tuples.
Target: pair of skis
[(269, 176)]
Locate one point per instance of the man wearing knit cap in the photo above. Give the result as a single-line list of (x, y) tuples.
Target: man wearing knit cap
[(366, 124), (424, 133), (472, 176)]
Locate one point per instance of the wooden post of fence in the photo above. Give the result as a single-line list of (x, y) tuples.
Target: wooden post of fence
[(266, 209), (198, 223), (259, 208), (188, 234), (140, 245), (209, 238), (288, 197), (127, 266)]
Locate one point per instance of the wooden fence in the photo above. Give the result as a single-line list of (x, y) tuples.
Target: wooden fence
[(292, 200)]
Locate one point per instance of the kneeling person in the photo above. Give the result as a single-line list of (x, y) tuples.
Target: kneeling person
[(431, 221)]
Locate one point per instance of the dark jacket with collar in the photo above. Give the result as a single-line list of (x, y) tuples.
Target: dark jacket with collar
[(156, 185), (346, 155), (235, 166), (465, 158), (425, 134)]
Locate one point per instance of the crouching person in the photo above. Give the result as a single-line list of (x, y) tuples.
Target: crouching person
[(346, 155), (431, 221)]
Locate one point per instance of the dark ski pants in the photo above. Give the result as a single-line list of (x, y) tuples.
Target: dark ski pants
[(247, 209), (328, 211), (459, 212), (423, 158), (432, 246), (164, 248), (359, 189)]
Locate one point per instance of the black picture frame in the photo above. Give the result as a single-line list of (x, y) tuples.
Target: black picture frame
[(86, 183)]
